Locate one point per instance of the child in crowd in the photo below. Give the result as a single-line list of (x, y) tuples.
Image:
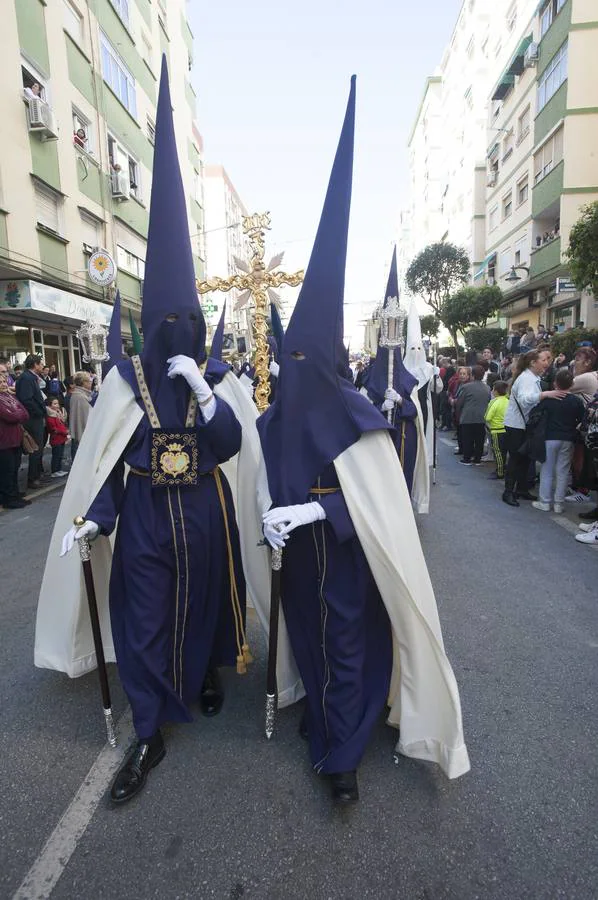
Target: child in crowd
[(562, 420), (495, 423), (58, 431)]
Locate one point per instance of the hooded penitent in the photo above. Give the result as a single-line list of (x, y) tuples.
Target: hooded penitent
[(114, 339), (317, 412), (403, 380), (415, 354), (217, 340), (171, 316)]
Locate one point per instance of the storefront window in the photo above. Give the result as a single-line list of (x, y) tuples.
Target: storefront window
[(565, 317)]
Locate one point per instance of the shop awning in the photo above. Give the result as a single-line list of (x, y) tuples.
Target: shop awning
[(27, 297), (516, 65), (484, 266), (504, 86)]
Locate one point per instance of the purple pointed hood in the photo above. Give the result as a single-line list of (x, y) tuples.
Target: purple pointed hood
[(377, 381), (171, 316), (317, 412)]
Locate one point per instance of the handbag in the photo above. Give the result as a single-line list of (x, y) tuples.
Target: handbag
[(28, 444), (534, 443)]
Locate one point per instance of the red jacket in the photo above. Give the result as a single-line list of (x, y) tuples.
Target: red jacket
[(12, 416), (57, 430)]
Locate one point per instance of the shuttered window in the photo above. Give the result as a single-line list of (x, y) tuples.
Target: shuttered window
[(90, 230), (47, 205)]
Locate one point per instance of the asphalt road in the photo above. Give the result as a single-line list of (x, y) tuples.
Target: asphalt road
[(229, 816)]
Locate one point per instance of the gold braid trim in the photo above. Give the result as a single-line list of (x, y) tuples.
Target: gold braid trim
[(403, 444), (244, 656)]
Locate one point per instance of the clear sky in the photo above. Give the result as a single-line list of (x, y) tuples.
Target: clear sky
[(272, 80)]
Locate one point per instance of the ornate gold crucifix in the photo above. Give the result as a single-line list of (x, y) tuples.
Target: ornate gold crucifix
[(257, 282)]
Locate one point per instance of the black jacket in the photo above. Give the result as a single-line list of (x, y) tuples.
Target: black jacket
[(28, 392)]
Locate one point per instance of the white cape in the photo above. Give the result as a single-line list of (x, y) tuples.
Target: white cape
[(420, 489), (424, 698), (63, 638)]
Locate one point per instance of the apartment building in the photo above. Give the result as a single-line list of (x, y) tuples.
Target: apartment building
[(542, 166), (77, 103), (226, 242)]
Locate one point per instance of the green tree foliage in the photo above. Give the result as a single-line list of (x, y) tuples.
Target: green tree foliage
[(582, 252), (430, 325), (480, 338), (470, 306), (436, 272), (567, 341)]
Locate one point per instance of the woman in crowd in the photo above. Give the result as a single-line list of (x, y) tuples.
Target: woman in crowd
[(457, 381), (80, 407), (526, 392), (472, 401), (12, 416), (585, 385)]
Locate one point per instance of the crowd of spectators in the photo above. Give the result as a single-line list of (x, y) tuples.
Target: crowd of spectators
[(538, 417), (38, 408)]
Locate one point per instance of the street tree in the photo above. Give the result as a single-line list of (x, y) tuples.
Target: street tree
[(437, 272), (582, 253), (470, 306), (430, 325)]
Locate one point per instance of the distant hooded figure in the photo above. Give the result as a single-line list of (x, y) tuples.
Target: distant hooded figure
[(417, 363), (177, 592), (397, 397), (355, 591)]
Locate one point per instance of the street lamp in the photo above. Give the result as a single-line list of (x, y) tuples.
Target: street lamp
[(513, 277)]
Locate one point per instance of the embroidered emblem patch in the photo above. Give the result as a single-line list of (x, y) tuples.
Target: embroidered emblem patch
[(174, 460)]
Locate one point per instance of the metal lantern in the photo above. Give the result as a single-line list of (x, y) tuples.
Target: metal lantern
[(93, 337), (392, 322)]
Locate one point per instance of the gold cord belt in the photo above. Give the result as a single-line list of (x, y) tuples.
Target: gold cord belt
[(321, 491)]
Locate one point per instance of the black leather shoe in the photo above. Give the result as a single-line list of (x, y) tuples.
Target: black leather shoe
[(132, 775), (590, 516), (509, 498), (303, 733), (212, 694), (525, 495), (344, 787)]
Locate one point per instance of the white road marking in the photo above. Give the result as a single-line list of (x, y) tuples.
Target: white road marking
[(42, 877)]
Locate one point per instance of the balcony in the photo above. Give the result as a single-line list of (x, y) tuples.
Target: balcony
[(545, 258)]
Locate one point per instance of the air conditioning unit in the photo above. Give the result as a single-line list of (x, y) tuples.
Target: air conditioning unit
[(531, 56), (120, 186), (41, 119)]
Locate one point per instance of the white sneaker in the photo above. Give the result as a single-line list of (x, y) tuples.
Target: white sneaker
[(56, 475), (558, 507), (62, 473), (545, 507), (589, 527), (585, 538), (578, 497)]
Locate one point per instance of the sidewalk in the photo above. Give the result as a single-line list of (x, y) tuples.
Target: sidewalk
[(47, 484)]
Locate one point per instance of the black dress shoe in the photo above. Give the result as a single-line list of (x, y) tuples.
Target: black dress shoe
[(132, 775), (525, 495), (590, 516), (344, 787), (212, 694), (509, 498)]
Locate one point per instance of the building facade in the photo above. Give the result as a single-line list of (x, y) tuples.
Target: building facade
[(226, 242), (546, 105), (78, 99)]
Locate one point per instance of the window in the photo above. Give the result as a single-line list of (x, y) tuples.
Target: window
[(117, 76), (493, 218), (507, 145), (521, 251), (72, 21), (48, 205), (470, 47), (553, 77), (523, 124), (522, 190), (122, 9), (469, 97), (552, 9), (90, 231), (83, 141), (507, 205), (497, 47), (505, 261), (548, 156), (129, 262), (151, 131), (146, 51), (511, 17), (31, 78), (123, 162)]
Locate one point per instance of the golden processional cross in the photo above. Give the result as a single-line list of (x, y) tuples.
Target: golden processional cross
[(256, 281)]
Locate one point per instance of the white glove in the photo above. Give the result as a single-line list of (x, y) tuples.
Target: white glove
[(387, 406), (436, 370), (287, 518), (274, 368), (391, 394), (89, 530), (274, 536), (187, 368)]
